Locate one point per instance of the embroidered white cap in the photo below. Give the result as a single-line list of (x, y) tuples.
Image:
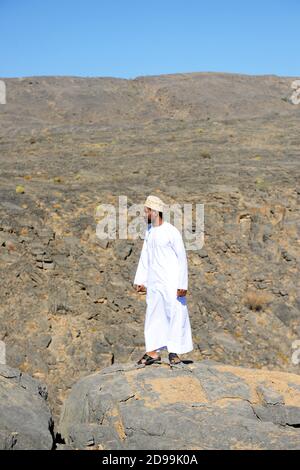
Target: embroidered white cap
[(155, 203)]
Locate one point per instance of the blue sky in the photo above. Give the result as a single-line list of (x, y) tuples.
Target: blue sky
[(131, 38)]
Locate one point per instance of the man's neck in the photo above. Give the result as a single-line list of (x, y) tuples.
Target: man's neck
[(157, 222)]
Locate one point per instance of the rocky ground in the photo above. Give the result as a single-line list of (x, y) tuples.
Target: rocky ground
[(195, 406), (230, 142)]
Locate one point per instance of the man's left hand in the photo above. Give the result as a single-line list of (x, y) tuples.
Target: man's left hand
[(181, 292)]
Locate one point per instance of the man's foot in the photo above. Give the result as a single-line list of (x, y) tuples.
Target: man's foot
[(149, 359), (174, 359)]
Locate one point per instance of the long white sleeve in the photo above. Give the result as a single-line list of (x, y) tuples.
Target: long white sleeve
[(141, 275), (178, 246)]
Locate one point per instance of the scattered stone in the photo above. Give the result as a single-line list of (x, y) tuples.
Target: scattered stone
[(20, 189), (123, 249), (285, 313)]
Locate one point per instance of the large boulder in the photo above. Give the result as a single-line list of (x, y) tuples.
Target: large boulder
[(205, 405), (25, 418)]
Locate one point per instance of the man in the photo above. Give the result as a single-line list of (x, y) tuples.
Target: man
[(162, 271)]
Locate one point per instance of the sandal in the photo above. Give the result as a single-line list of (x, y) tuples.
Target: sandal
[(174, 359), (147, 360)]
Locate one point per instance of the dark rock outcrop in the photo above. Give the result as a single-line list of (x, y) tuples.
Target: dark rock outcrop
[(205, 405), (25, 419)]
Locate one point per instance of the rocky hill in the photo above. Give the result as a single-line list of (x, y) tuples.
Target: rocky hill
[(228, 141)]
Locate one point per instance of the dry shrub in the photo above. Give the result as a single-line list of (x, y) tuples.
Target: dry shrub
[(257, 300)]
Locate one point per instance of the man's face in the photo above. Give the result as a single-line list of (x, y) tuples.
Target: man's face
[(149, 214)]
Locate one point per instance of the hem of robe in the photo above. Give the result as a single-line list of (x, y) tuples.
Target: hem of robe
[(171, 346), (178, 349)]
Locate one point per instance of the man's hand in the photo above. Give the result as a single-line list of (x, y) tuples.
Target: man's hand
[(140, 288), (181, 292)]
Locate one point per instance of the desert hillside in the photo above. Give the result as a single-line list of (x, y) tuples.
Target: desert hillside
[(67, 144)]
